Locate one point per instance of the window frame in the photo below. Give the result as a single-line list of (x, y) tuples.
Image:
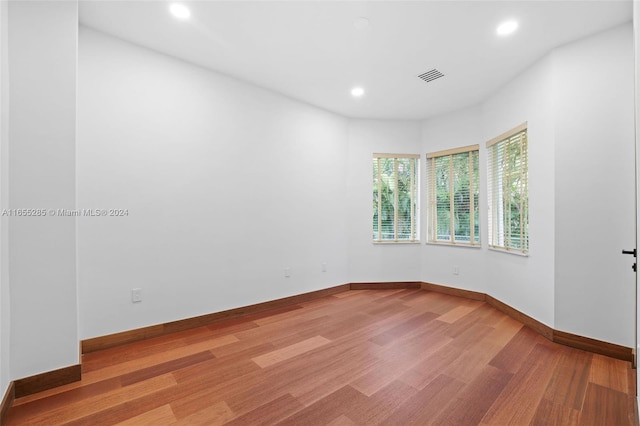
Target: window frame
[(497, 229), (415, 199), (432, 205)]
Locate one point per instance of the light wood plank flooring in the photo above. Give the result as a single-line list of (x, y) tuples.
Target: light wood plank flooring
[(360, 357)]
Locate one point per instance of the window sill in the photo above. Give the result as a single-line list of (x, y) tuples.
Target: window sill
[(395, 242), (515, 253), (446, 244)]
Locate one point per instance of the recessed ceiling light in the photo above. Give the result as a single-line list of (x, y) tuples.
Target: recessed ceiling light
[(357, 92), (180, 11), (507, 27), (361, 23)]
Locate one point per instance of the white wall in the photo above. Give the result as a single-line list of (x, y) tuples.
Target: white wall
[(370, 262), (578, 102), (594, 185), (5, 305), (527, 283), (636, 91), (457, 129), (42, 102), (226, 185)]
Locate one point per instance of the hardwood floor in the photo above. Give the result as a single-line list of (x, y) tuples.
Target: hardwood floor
[(360, 357)]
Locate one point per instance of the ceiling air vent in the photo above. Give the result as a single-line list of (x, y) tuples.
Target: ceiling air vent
[(431, 75)]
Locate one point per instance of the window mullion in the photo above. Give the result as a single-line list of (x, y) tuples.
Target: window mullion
[(471, 201), (451, 206), (412, 169), (521, 194), (395, 199), (433, 208), (379, 200), (507, 195)]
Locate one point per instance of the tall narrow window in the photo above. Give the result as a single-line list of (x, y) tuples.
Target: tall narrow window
[(508, 191), (395, 197), (453, 188)]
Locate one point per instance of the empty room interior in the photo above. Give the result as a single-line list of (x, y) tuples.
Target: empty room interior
[(318, 212)]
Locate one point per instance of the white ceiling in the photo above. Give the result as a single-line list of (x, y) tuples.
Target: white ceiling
[(311, 50)]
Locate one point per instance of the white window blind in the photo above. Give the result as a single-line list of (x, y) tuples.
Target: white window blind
[(395, 197), (508, 191), (453, 188)]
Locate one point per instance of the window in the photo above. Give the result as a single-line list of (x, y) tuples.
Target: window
[(453, 188), (508, 191), (395, 197)]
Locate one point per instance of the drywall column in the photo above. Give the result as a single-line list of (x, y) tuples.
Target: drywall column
[(636, 50), (594, 187), (4, 142), (42, 149)]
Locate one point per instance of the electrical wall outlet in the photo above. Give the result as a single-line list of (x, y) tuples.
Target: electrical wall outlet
[(287, 272), (456, 270), (323, 266), (136, 295)]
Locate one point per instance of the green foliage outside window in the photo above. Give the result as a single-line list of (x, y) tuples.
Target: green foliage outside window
[(454, 198), (508, 193), (395, 198)]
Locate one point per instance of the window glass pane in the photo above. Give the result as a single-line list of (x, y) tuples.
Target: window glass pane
[(443, 198), (476, 197), (375, 198), (461, 197), (387, 198), (395, 198), (405, 198), (508, 198), (453, 184)]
